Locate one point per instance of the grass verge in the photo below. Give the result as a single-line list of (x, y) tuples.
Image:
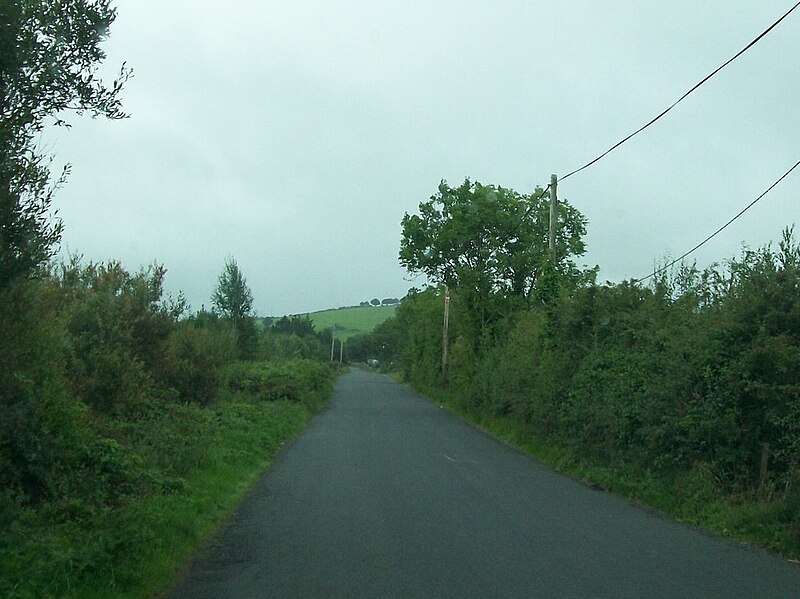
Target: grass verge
[(198, 462), (768, 520)]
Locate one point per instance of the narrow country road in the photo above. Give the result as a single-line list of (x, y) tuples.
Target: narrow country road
[(387, 495)]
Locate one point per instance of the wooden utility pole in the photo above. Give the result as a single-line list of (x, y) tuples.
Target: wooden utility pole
[(553, 217), (341, 350), (333, 341), (445, 334)]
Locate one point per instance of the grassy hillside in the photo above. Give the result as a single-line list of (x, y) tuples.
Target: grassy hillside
[(351, 321)]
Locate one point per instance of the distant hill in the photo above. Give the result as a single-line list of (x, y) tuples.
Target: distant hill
[(351, 321)]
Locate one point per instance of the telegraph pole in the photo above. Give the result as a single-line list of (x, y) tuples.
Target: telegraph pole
[(553, 217), (333, 340), (444, 333)]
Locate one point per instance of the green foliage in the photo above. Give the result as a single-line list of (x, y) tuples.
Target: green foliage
[(514, 367), (192, 361), (232, 297), (419, 323), (274, 345), (119, 435), (116, 325), (233, 300), (118, 454), (288, 380), (380, 344), (48, 60), (40, 428), (491, 243), (298, 337), (198, 463), (663, 377), (302, 326), (49, 54), (687, 380)]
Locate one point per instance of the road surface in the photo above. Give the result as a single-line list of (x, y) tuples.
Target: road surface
[(387, 495)]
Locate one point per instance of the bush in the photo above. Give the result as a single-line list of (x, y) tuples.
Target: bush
[(116, 324), (42, 429), (701, 367), (192, 363), (290, 380), (275, 345)]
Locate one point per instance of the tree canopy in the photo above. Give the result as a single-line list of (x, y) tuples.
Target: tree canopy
[(232, 297), (233, 300), (487, 239), (49, 56)]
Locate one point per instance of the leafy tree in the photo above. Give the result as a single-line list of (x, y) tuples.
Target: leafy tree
[(233, 300), (488, 240), (375, 301), (301, 326), (49, 54)]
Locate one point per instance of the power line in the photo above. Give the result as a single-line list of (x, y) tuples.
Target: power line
[(715, 233), (534, 200), (679, 100)]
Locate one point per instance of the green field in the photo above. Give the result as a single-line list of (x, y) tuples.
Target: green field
[(351, 321)]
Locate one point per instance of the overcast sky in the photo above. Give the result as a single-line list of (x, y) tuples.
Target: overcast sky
[(294, 135)]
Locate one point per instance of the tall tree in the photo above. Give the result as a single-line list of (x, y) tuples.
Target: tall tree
[(233, 299), (490, 241), (49, 57)]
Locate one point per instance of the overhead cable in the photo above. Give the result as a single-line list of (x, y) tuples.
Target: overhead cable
[(679, 100), (715, 233), (534, 200)]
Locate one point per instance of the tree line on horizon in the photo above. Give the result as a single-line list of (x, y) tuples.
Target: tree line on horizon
[(375, 302)]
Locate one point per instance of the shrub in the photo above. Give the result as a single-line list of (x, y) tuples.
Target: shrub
[(291, 380), (41, 428), (192, 363), (116, 324)]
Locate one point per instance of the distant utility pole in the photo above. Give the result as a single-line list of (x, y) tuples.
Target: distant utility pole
[(553, 217), (333, 340), (445, 334), (341, 350)]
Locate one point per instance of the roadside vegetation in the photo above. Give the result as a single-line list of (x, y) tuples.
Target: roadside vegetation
[(129, 426), (130, 429), (683, 393)]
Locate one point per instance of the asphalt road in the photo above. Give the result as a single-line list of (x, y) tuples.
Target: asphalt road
[(387, 495)]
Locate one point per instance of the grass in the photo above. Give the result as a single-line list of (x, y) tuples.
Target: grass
[(351, 321), (693, 497), (134, 549)]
